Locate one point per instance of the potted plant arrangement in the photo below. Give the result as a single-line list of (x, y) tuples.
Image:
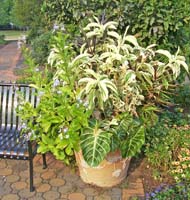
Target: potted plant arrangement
[(99, 102)]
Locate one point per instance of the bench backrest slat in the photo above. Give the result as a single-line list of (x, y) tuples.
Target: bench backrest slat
[(15, 104), (4, 106), (9, 102), (33, 97), (21, 89), (9, 106)]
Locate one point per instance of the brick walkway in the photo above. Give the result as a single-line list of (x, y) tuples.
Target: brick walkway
[(57, 181), (9, 57)]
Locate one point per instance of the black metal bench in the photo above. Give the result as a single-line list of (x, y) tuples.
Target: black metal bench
[(14, 145)]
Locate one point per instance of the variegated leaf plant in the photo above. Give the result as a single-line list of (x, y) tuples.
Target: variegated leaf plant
[(122, 85)]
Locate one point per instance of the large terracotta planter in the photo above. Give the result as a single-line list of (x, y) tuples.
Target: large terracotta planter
[(110, 172)]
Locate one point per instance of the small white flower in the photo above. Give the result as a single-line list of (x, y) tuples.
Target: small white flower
[(79, 100), (29, 135), (59, 92), (126, 63), (55, 27), (77, 105), (65, 130), (155, 29), (64, 83), (66, 136), (20, 108), (37, 70), (63, 28), (86, 104), (56, 83), (41, 93), (60, 136), (23, 126)]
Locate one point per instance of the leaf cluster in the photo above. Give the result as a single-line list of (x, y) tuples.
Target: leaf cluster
[(100, 99)]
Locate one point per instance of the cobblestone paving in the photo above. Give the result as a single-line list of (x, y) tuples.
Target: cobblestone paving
[(57, 181)]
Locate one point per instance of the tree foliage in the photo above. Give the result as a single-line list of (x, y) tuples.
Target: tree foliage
[(26, 13), (166, 23), (5, 11)]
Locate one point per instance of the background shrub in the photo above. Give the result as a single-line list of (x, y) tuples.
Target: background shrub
[(166, 141), (2, 39), (166, 23), (182, 96), (41, 47)]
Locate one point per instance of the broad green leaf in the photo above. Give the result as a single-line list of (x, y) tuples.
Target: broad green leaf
[(114, 34), (79, 58), (85, 80), (103, 91), (111, 25), (46, 125), (165, 53), (91, 25), (46, 139), (130, 76), (42, 148), (92, 34), (95, 144), (69, 151), (133, 143), (110, 85), (132, 40), (183, 63)]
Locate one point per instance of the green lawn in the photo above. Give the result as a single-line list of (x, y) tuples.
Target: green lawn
[(12, 35)]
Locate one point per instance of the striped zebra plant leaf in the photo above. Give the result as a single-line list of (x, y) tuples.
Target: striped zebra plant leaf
[(95, 144), (133, 143)]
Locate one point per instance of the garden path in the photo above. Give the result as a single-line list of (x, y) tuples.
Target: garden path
[(9, 57)]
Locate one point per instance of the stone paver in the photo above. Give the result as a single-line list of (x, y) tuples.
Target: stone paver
[(102, 197), (50, 195), (10, 197), (66, 189), (76, 196), (90, 191), (5, 172), (48, 175), (57, 181), (25, 193), (43, 188), (2, 164), (12, 178), (19, 185)]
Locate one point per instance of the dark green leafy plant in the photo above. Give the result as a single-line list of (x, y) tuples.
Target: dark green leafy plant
[(41, 47), (2, 39), (182, 95), (166, 23), (59, 117), (180, 191), (54, 129), (165, 140)]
